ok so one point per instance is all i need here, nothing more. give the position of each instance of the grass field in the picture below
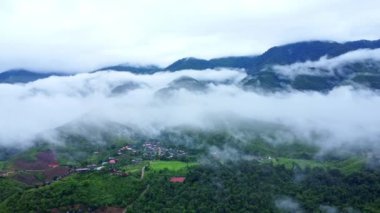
(135, 167)
(350, 165)
(170, 165)
(3, 165)
(347, 166)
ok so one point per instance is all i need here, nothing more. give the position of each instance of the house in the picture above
(112, 161)
(82, 169)
(119, 173)
(125, 148)
(53, 165)
(177, 179)
(99, 168)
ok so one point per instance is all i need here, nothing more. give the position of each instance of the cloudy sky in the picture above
(81, 35)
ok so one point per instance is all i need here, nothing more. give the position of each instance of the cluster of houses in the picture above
(94, 167)
(149, 150)
(5, 174)
(154, 149)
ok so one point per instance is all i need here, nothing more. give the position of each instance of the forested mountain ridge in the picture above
(257, 67)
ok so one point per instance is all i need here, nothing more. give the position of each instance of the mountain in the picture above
(308, 51)
(184, 82)
(149, 69)
(261, 69)
(189, 63)
(279, 55)
(364, 73)
(263, 74)
(125, 88)
(22, 76)
(201, 64)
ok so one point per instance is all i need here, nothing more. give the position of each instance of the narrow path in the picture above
(33, 170)
(143, 193)
(138, 198)
(8, 173)
(142, 172)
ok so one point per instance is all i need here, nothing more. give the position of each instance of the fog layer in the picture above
(344, 116)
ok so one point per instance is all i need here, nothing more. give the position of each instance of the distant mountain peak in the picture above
(23, 76)
(134, 68)
(280, 55)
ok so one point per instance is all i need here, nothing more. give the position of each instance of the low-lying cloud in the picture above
(343, 117)
(327, 66)
(287, 204)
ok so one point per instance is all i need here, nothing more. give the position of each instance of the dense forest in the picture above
(244, 186)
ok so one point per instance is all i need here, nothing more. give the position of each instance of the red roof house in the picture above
(177, 179)
(53, 165)
(112, 161)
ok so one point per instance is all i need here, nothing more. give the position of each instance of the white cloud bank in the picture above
(347, 117)
(328, 65)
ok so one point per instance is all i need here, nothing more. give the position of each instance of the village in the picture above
(116, 163)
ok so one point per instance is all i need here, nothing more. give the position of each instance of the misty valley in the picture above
(294, 129)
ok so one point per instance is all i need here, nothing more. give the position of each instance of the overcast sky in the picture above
(81, 35)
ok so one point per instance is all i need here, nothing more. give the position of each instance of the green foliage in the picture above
(135, 168)
(299, 150)
(3, 165)
(350, 165)
(78, 150)
(94, 190)
(232, 187)
(347, 166)
(303, 164)
(30, 154)
(9, 187)
(316, 83)
(370, 80)
(267, 80)
(250, 187)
